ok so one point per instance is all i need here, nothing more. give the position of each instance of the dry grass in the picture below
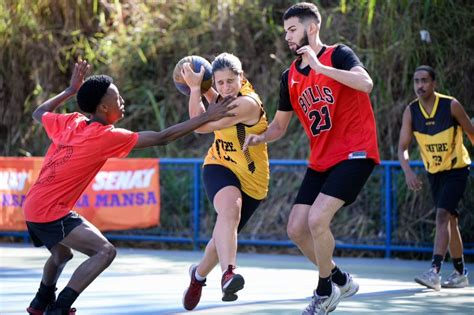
(138, 43)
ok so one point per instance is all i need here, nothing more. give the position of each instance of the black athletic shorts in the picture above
(448, 187)
(217, 177)
(51, 233)
(343, 181)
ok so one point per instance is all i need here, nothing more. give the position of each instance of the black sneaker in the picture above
(40, 304)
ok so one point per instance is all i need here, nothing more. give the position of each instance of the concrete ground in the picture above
(143, 282)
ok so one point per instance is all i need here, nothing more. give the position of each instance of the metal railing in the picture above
(386, 168)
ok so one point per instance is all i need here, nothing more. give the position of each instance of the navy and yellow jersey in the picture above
(251, 166)
(439, 136)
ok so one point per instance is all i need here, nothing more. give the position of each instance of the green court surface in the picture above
(149, 282)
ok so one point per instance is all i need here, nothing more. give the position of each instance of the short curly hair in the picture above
(91, 92)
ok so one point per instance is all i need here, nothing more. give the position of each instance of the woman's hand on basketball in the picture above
(222, 109)
(81, 69)
(193, 79)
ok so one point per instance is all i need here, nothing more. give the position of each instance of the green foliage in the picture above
(139, 42)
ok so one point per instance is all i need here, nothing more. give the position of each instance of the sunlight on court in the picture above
(152, 282)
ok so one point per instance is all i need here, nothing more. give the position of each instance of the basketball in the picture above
(196, 63)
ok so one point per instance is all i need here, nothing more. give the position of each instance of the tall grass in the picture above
(139, 42)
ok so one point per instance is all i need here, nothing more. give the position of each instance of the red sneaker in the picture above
(192, 295)
(231, 283)
(32, 311)
(60, 311)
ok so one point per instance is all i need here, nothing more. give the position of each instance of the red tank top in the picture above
(337, 119)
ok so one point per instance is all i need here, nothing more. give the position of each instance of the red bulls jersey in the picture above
(337, 119)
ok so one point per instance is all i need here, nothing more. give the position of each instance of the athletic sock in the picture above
(436, 262)
(43, 297)
(66, 298)
(46, 291)
(324, 287)
(198, 276)
(338, 277)
(458, 264)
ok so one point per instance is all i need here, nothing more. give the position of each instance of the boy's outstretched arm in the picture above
(214, 112)
(81, 70)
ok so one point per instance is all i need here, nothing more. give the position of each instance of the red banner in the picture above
(125, 194)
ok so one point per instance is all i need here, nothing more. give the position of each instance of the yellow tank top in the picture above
(251, 166)
(439, 136)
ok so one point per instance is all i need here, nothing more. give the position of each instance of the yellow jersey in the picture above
(439, 136)
(251, 166)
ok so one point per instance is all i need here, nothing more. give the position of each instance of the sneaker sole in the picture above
(332, 308)
(188, 308)
(228, 293)
(32, 311)
(428, 285)
(457, 286)
(350, 293)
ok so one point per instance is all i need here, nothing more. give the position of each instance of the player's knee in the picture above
(317, 224)
(231, 215)
(62, 257)
(295, 232)
(108, 253)
(442, 216)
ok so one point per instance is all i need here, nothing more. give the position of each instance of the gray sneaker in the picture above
(430, 279)
(456, 280)
(350, 288)
(322, 305)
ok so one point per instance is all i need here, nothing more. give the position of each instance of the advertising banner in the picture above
(125, 194)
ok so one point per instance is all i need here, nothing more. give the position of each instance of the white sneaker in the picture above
(350, 288)
(322, 305)
(430, 279)
(456, 280)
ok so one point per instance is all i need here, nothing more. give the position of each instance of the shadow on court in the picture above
(145, 282)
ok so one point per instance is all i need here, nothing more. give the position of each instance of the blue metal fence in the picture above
(387, 211)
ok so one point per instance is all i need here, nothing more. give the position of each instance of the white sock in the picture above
(198, 276)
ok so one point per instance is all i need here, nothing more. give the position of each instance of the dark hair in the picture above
(91, 92)
(227, 61)
(427, 69)
(303, 11)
